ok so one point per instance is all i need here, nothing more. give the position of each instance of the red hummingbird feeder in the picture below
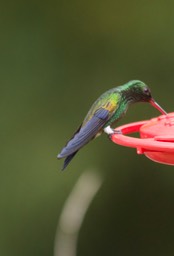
(156, 138)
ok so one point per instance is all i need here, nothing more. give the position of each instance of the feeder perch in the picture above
(156, 138)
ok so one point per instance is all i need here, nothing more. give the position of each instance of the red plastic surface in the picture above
(157, 138)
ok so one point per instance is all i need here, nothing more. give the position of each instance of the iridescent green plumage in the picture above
(106, 110)
(109, 101)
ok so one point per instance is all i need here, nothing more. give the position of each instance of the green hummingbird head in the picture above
(136, 91)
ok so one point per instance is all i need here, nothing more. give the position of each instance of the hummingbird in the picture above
(106, 111)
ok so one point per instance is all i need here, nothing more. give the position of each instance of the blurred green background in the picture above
(57, 57)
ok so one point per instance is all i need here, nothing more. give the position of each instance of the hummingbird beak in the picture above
(155, 105)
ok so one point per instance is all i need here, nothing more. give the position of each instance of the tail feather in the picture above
(68, 160)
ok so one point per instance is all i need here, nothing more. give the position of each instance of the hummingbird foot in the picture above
(111, 131)
(117, 132)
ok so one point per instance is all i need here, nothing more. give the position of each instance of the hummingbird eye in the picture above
(146, 91)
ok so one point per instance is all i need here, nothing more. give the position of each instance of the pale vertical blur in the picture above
(73, 213)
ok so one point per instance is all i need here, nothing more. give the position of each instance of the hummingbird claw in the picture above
(111, 131)
(117, 132)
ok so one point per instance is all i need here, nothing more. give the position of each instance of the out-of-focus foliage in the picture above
(56, 58)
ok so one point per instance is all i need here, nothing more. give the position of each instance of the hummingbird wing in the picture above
(99, 114)
(86, 133)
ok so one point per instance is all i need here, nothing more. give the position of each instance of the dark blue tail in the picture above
(68, 160)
